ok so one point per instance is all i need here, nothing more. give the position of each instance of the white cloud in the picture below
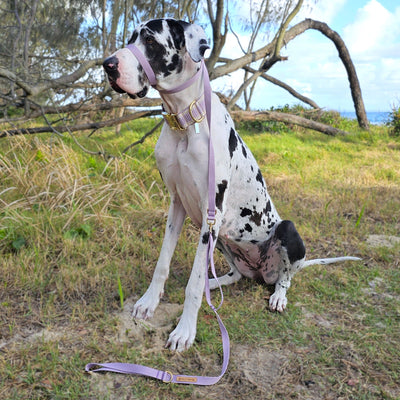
(373, 31)
(390, 72)
(324, 11)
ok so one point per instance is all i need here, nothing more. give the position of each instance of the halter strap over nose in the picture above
(144, 63)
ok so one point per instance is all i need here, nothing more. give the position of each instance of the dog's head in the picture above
(167, 44)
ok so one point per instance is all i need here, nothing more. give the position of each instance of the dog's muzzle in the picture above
(110, 66)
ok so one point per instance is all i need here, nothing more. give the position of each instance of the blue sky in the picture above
(371, 31)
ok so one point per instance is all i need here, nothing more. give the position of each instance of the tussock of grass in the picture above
(79, 237)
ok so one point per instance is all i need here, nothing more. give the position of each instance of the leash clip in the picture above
(210, 219)
(210, 223)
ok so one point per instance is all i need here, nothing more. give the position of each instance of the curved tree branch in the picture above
(218, 38)
(350, 69)
(292, 33)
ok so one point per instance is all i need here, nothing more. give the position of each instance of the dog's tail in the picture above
(324, 261)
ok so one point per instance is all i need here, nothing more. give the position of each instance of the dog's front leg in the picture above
(146, 305)
(184, 334)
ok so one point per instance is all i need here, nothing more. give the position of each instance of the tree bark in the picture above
(286, 118)
(218, 37)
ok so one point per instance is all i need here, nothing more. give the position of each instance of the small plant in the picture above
(360, 216)
(120, 292)
(84, 231)
(394, 122)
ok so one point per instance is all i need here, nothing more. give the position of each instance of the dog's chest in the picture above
(182, 161)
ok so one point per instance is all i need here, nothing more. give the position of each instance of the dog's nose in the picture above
(110, 64)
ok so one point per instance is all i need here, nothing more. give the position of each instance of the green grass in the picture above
(80, 235)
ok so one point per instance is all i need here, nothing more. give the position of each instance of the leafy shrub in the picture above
(394, 122)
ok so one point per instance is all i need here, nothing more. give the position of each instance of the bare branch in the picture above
(80, 127)
(144, 137)
(51, 84)
(350, 69)
(86, 106)
(285, 86)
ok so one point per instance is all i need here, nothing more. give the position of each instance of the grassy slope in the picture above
(73, 226)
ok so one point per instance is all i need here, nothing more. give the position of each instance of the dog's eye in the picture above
(149, 40)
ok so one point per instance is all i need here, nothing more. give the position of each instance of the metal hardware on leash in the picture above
(171, 377)
(211, 218)
(210, 223)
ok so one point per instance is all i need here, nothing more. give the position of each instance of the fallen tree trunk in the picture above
(79, 127)
(286, 118)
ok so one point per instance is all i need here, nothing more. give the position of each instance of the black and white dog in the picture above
(255, 241)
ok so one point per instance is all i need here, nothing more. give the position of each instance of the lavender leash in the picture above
(167, 376)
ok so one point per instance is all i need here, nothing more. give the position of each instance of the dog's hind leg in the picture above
(292, 253)
(232, 276)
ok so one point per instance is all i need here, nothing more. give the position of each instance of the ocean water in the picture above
(374, 117)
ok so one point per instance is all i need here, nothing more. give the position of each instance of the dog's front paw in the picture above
(278, 301)
(182, 337)
(145, 307)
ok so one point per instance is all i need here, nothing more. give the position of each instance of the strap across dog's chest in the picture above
(167, 376)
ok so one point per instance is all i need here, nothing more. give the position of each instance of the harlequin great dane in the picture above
(255, 241)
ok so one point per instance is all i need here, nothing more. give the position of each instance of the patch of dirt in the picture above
(383, 241)
(31, 334)
(135, 330)
(316, 319)
(377, 288)
(261, 367)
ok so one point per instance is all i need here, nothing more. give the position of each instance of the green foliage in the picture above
(328, 117)
(83, 231)
(394, 122)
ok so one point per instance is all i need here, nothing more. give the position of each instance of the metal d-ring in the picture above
(170, 378)
(192, 104)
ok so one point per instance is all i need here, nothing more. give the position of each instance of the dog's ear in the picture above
(195, 40)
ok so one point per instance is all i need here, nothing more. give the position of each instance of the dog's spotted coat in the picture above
(255, 241)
